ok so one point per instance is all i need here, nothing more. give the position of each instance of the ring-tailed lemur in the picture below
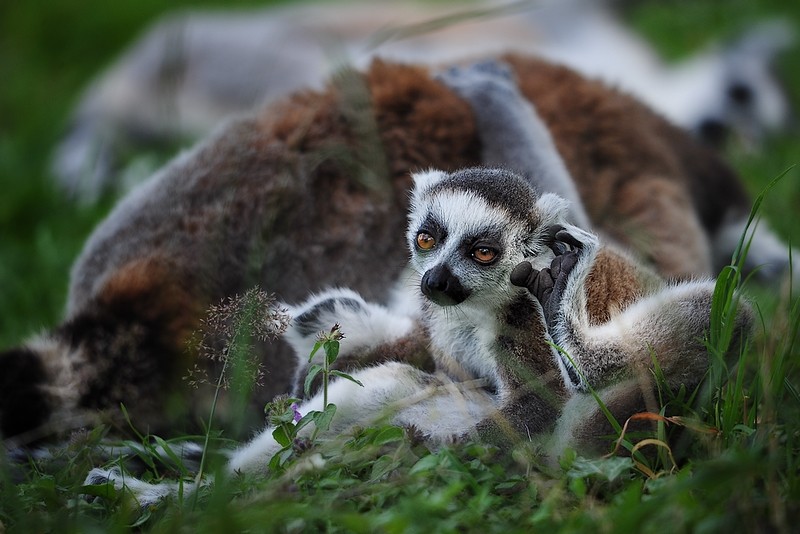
(500, 275)
(229, 214)
(469, 234)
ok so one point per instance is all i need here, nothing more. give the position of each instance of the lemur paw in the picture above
(481, 83)
(363, 323)
(548, 285)
(321, 312)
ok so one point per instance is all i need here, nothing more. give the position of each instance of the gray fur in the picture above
(513, 134)
(495, 186)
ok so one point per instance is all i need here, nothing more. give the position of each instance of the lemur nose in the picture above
(441, 286)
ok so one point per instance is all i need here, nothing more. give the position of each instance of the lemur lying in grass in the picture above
(313, 192)
(499, 278)
(472, 234)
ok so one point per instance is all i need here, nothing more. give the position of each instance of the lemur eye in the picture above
(484, 255)
(425, 241)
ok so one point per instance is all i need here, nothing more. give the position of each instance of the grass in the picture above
(743, 477)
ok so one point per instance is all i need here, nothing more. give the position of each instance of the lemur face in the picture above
(467, 231)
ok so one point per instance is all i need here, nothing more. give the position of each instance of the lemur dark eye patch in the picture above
(488, 240)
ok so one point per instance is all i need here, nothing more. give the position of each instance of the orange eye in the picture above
(484, 255)
(425, 241)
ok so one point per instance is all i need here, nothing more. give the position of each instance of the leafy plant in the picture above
(288, 422)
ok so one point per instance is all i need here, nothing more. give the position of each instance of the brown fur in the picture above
(642, 181)
(614, 283)
(170, 305)
(312, 192)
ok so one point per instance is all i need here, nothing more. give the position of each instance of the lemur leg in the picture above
(393, 392)
(584, 427)
(512, 133)
(669, 324)
(383, 385)
(373, 334)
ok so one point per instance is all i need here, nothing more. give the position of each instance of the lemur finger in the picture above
(555, 266)
(559, 239)
(566, 237)
(542, 285)
(551, 234)
(568, 262)
(538, 283)
(523, 274)
(563, 264)
(559, 248)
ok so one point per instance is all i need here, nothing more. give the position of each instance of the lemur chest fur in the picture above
(466, 347)
(506, 345)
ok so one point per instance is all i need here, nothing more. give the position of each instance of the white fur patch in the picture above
(363, 324)
(393, 392)
(146, 494)
(424, 180)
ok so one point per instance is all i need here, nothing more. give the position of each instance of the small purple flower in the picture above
(297, 415)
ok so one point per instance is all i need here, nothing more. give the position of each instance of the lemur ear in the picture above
(548, 211)
(426, 179)
(551, 209)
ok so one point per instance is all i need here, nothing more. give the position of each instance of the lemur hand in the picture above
(548, 284)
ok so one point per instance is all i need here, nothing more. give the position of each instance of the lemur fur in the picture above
(497, 374)
(313, 192)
